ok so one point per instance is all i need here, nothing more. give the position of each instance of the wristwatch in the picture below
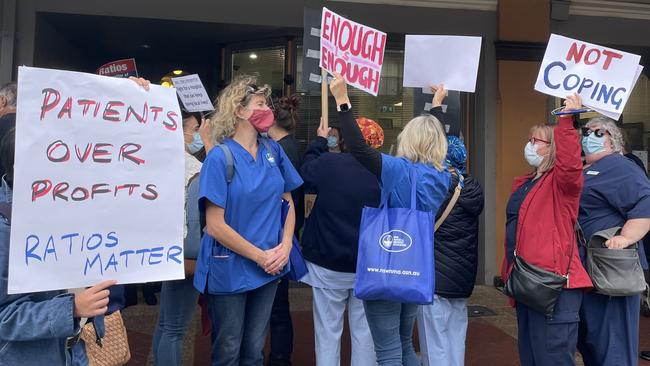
(344, 107)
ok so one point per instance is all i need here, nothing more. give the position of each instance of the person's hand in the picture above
(339, 89)
(140, 81)
(205, 130)
(572, 102)
(263, 257)
(279, 259)
(439, 94)
(92, 301)
(618, 242)
(322, 131)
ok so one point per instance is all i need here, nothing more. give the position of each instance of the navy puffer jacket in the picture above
(456, 241)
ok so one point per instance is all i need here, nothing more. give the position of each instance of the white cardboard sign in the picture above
(353, 50)
(449, 60)
(98, 182)
(192, 93)
(602, 76)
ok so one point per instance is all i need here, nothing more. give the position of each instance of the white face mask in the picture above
(531, 155)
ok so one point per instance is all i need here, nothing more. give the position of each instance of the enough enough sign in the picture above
(98, 182)
(353, 50)
(602, 76)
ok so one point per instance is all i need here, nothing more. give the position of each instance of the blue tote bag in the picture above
(296, 261)
(395, 260)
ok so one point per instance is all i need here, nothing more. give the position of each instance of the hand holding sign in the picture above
(339, 89)
(92, 301)
(439, 94)
(572, 103)
(140, 81)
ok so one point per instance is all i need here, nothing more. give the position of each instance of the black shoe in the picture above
(645, 355)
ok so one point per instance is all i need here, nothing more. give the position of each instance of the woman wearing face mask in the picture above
(334, 140)
(178, 298)
(540, 219)
(240, 260)
(616, 193)
(286, 117)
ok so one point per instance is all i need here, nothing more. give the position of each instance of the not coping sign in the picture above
(98, 182)
(353, 50)
(602, 76)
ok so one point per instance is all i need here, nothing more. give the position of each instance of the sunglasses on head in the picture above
(254, 89)
(586, 131)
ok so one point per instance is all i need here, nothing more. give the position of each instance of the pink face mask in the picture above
(262, 119)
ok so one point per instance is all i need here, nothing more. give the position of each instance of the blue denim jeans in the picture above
(178, 300)
(391, 325)
(239, 323)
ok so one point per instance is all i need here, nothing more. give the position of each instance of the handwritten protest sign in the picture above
(98, 182)
(192, 93)
(353, 50)
(602, 76)
(120, 68)
(449, 60)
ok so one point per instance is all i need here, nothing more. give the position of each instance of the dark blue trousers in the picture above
(280, 325)
(609, 330)
(550, 341)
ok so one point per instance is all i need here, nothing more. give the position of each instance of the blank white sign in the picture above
(449, 60)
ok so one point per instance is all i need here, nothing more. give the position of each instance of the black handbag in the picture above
(535, 287)
(614, 272)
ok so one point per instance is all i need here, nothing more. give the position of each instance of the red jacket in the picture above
(547, 217)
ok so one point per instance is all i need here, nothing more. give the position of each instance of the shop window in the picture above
(265, 63)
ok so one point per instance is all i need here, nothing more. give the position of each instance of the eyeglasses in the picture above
(586, 131)
(535, 140)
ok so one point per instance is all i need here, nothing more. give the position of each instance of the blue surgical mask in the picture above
(196, 144)
(332, 141)
(593, 144)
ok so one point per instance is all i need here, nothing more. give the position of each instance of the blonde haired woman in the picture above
(422, 146)
(540, 218)
(245, 250)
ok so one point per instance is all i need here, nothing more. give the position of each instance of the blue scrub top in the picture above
(431, 189)
(252, 203)
(615, 191)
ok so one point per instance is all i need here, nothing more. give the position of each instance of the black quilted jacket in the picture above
(456, 241)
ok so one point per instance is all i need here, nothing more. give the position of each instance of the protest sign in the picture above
(449, 60)
(98, 182)
(192, 93)
(353, 50)
(311, 73)
(602, 76)
(120, 68)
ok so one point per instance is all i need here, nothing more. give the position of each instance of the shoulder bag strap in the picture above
(450, 205)
(230, 165)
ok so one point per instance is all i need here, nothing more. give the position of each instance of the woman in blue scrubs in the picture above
(422, 147)
(616, 193)
(246, 250)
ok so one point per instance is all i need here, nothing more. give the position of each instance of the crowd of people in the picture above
(243, 163)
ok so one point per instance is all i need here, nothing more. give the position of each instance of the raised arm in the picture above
(354, 142)
(309, 169)
(568, 163)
